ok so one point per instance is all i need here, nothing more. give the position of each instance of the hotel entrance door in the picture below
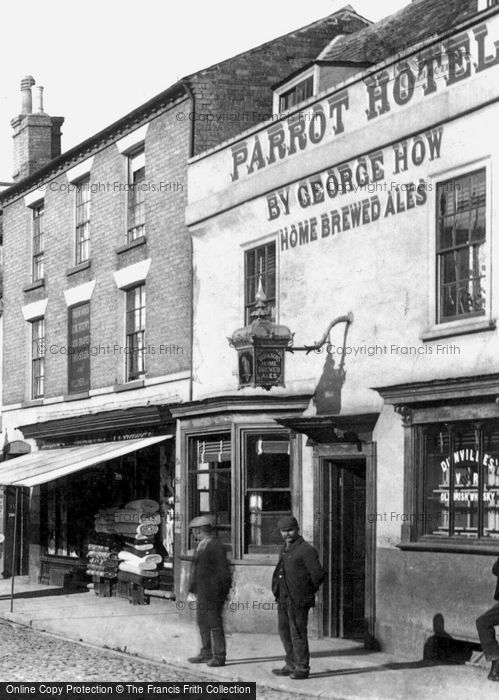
(343, 520)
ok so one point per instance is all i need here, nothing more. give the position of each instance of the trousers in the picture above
(211, 630)
(485, 625)
(292, 622)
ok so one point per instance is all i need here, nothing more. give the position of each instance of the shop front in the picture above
(93, 491)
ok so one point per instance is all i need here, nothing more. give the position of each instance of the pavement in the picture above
(160, 632)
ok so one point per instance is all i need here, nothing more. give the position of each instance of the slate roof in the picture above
(410, 25)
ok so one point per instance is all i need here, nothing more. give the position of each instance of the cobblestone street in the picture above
(26, 655)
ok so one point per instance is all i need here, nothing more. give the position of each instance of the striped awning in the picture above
(47, 465)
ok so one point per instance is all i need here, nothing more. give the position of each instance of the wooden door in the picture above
(344, 547)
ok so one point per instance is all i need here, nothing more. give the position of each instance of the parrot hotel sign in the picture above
(407, 82)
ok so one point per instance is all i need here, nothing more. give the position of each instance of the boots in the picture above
(199, 659)
(494, 671)
(218, 647)
(205, 654)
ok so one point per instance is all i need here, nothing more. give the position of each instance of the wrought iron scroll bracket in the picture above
(316, 347)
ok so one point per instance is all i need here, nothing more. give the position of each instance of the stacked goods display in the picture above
(103, 562)
(137, 560)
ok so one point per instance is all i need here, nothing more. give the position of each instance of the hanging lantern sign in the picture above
(261, 348)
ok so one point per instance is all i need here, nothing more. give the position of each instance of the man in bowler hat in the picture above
(210, 583)
(295, 582)
(485, 625)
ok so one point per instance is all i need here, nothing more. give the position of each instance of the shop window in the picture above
(210, 482)
(461, 237)
(68, 506)
(298, 93)
(267, 494)
(260, 265)
(37, 269)
(136, 196)
(460, 480)
(135, 332)
(79, 348)
(38, 358)
(82, 221)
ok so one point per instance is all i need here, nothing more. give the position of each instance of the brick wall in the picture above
(238, 86)
(168, 294)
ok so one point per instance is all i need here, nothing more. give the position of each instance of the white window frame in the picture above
(141, 374)
(85, 182)
(465, 324)
(40, 356)
(34, 208)
(139, 156)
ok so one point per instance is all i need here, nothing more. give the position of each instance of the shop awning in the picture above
(46, 465)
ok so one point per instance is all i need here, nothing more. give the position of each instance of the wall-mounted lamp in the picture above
(261, 346)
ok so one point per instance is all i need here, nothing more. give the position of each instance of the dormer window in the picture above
(296, 89)
(299, 93)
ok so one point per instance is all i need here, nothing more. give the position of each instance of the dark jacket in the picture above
(303, 572)
(495, 571)
(211, 577)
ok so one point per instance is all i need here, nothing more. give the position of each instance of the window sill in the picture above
(136, 384)
(239, 562)
(451, 545)
(76, 396)
(141, 240)
(446, 330)
(32, 402)
(35, 285)
(78, 268)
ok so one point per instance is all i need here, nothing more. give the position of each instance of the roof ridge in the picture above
(299, 30)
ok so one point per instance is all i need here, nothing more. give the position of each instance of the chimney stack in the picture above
(37, 136)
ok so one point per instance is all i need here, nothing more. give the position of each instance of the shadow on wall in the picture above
(327, 396)
(441, 647)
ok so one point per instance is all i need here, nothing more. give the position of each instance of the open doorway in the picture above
(344, 547)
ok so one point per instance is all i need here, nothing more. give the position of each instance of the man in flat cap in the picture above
(295, 582)
(210, 583)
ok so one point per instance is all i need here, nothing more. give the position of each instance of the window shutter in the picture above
(214, 451)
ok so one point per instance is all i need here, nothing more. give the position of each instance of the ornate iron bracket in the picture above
(348, 319)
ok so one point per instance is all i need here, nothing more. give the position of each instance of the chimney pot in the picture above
(39, 99)
(26, 105)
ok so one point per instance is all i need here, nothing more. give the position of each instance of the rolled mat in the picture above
(97, 547)
(144, 505)
(103, 564)
(131, 569)
(139, 552)
(140, 545)
(131, 529)
(95, 554)
(127, 515)
(102, 574)
(149, 561)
